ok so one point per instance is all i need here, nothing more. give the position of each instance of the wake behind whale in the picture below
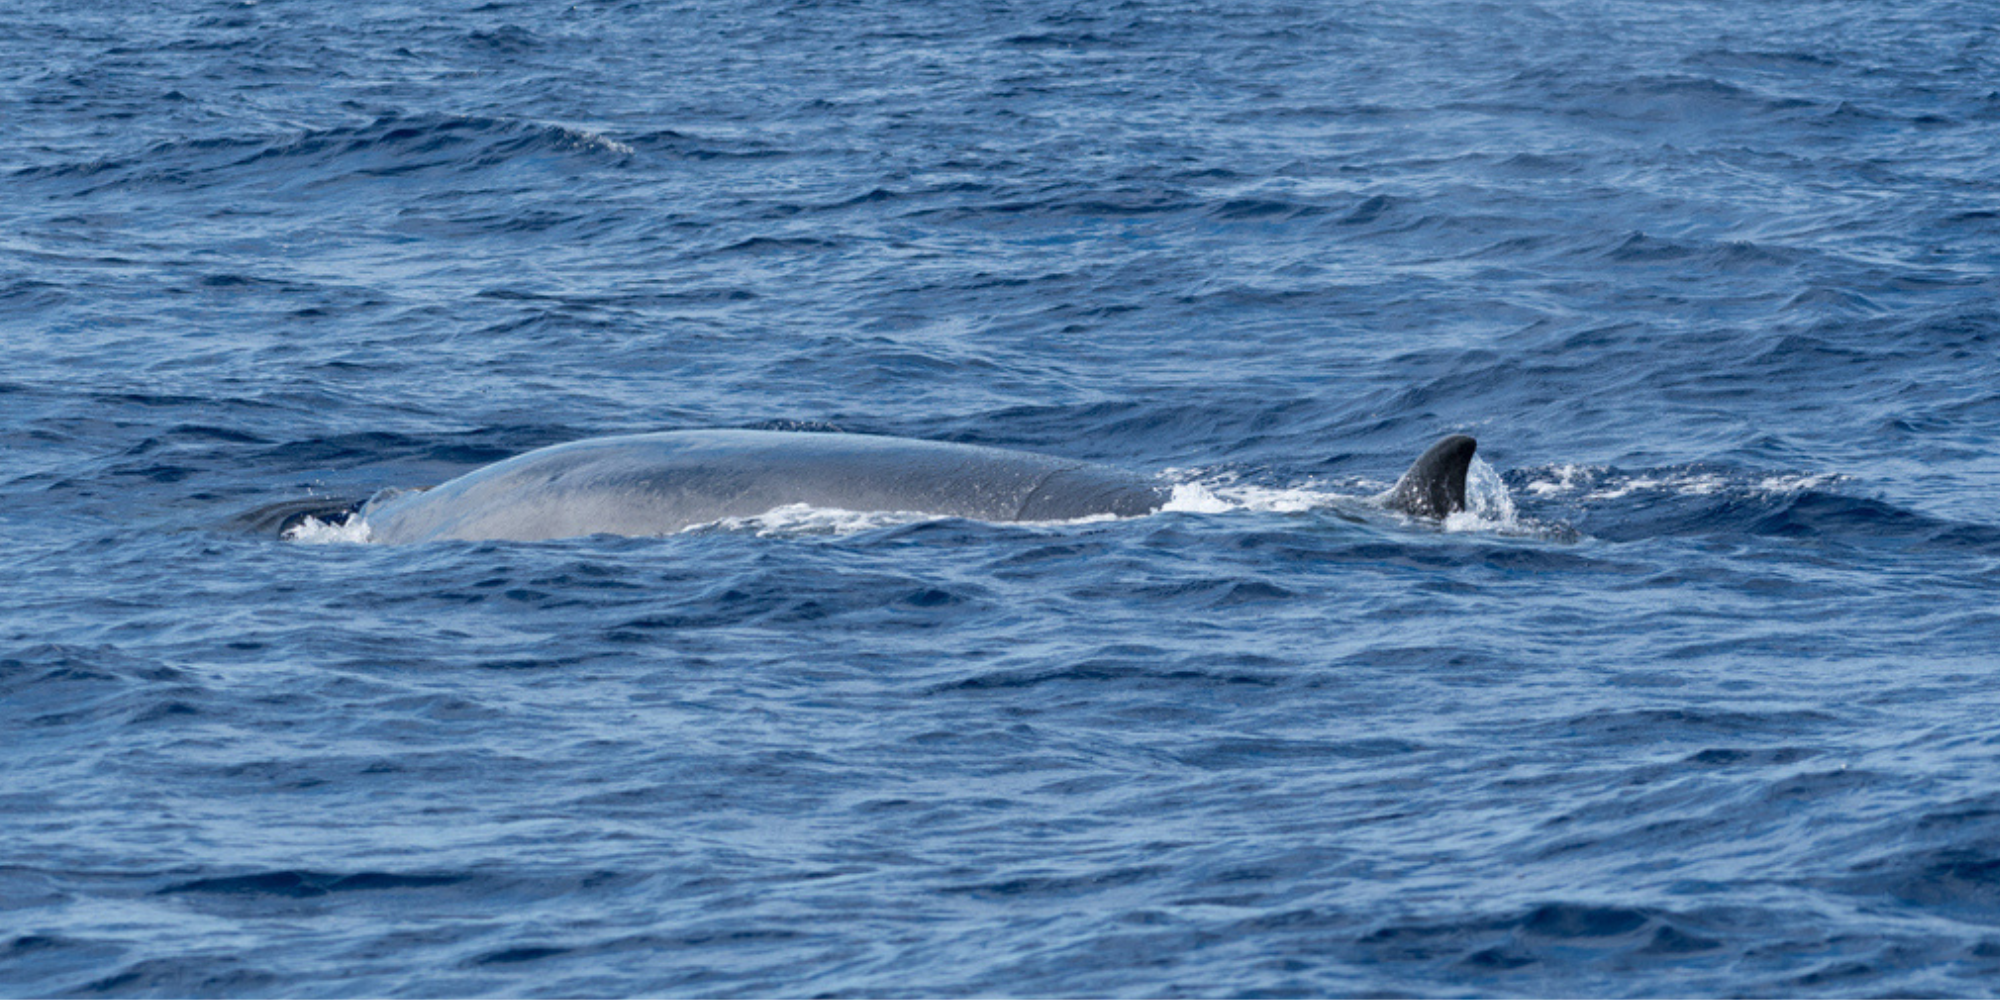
(661, 483)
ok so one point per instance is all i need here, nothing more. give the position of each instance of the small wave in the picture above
(415, 143)
(1961, 880)
(1722, 502)
(183, 976)
(300, 884)
(1721, 256)
(1600, 483)
(1252, 209)
(388, 146)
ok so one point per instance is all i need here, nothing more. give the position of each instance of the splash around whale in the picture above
(661, 483)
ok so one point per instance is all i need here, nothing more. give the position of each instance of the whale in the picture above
(664, 482)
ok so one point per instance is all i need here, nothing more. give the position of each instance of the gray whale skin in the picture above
(657, 484)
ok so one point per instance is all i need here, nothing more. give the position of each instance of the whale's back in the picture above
(655, 484)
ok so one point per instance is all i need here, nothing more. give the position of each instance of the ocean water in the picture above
(1703, 699)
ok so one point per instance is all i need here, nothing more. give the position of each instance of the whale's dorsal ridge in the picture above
(1434, 486)
(667, 481)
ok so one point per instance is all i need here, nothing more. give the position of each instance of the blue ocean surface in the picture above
(1701, 699)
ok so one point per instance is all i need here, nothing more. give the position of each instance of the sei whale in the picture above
(657, 484)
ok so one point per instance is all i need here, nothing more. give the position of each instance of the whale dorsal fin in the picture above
(1435, 484)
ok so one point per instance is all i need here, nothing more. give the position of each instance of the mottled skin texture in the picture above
(1435, 484)
(655, 484)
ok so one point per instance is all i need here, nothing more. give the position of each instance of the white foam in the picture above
(1563, 478)
(582, 138)
(1798, 482)
(1222, 496)
(313, 531)
(1488, 505)
(1691, 484)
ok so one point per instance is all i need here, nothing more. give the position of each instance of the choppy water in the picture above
(1714, 709)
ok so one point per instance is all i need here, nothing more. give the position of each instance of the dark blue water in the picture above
(1713, 709)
